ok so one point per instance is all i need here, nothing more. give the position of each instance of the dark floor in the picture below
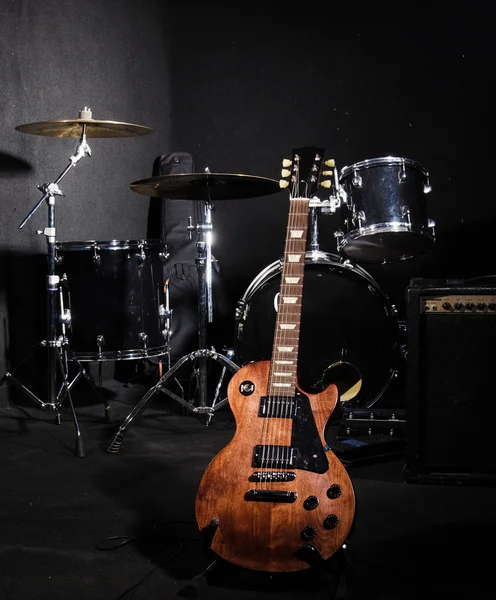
(121, 526)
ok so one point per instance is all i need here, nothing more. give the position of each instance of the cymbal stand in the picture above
(57, 346)
(200, 357)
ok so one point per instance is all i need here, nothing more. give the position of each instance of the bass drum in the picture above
(349, 332)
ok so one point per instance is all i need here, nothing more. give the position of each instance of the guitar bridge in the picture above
(273, 476)
(271, 496)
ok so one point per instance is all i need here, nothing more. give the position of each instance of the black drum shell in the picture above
(114, 289)
(390, 192)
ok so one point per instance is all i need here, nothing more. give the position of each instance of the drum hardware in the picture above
(386, 218)
(326, 207)
(165, 315)
(58, 350)
(204, 188)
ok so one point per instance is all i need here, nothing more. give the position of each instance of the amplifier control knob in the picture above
(458, 305)
(469, 305)
(447, 306)
(491, 306)
(481, 306)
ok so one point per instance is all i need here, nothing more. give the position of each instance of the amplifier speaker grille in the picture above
(450, 392)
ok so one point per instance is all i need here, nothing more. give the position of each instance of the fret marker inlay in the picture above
(294, 258)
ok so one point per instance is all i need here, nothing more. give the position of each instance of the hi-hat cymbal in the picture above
(92, 128)
(206, 186)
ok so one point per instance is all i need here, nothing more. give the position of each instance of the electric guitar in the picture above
(276, 498)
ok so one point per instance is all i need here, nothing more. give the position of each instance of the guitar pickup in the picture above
(271, 496)
(275, 457)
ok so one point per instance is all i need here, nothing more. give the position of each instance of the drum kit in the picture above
(107, 300)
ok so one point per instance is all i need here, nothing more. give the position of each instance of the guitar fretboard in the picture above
(283, 368)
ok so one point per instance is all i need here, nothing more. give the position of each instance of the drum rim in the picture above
(131, 354)
(382, 161)
(110, 244)
(326, 258)
(312, 257)
(392, 226)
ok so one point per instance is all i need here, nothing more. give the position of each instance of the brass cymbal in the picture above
(93, 128)
(206, 186)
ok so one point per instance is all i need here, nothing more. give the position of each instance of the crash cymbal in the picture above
(206, 186)
(92, 128)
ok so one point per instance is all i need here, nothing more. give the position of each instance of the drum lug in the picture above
(359, 218)
(96, 257)
(427, 184)
(100, 342)
(402, 173)
(405, 212)
(144, 341)
(357, 180)
(240, 310)
(141, 256)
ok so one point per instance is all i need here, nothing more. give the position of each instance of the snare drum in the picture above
(115, 292)
(385, 210)
(348, 327)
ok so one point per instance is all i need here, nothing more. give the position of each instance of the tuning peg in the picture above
(285, 172)
(330, 162)
(283, 183)
(327, 183)
(327, 173)
(286, 162)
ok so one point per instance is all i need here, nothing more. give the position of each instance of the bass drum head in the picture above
(349, 333)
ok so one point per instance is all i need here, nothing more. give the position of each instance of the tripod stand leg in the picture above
(116, 443)
(82, 372)
(10, 376)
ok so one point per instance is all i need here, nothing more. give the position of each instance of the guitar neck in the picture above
(283, 368)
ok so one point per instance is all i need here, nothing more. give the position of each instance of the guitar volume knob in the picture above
(334, 491)
(331, 522)
(311, 503)
(308, 533)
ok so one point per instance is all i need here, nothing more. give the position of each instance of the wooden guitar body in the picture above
(278, 498)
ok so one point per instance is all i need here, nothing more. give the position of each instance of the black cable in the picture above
(117, 541)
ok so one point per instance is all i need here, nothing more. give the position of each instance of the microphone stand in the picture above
(57, 346)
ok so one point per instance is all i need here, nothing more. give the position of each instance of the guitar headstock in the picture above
(302, 174)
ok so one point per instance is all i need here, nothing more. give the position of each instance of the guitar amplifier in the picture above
(450, 395)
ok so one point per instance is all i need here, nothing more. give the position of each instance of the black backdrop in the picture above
(239, 86)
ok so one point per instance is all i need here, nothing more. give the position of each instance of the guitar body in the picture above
(274, 524)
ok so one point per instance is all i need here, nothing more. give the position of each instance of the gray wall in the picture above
(57, 57)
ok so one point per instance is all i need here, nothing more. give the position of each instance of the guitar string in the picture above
(268, 429)
(298, 220)
(282, 405)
